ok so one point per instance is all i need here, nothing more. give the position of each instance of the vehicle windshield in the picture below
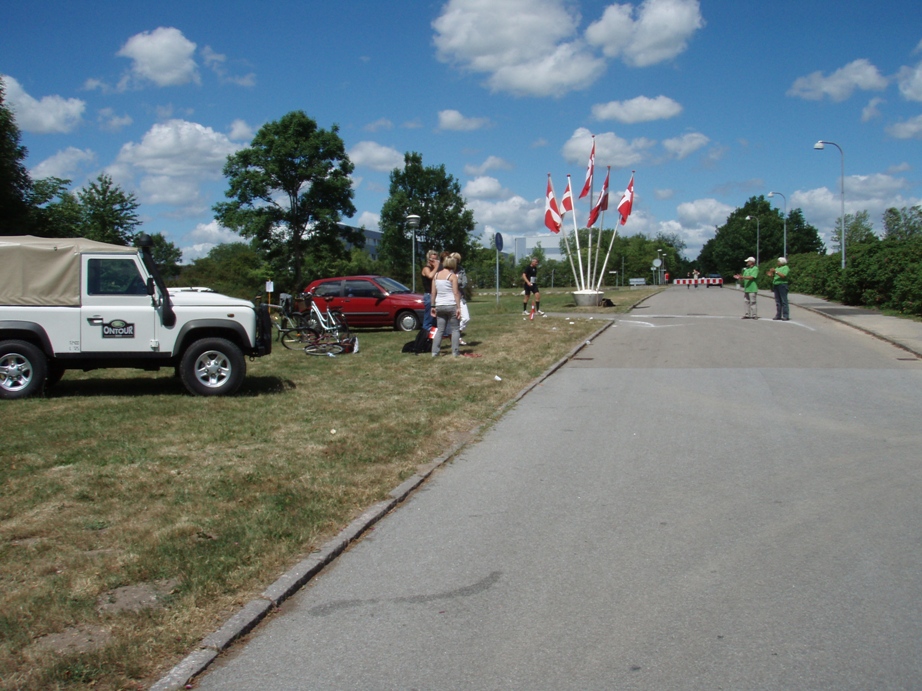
(392, 286)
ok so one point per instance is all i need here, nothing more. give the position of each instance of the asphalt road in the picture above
(694, 502)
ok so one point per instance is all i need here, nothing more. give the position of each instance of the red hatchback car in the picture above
(371, 301)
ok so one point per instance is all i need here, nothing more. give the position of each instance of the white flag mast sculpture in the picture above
(589, 279)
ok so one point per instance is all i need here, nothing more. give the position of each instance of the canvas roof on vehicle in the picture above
(45, 271)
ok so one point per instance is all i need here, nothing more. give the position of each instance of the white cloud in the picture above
(454, 121)
(687, 144)
(907, 129)
(707, 212)
(215, 61)
(378, 125)
(525, 46)
(240, 131)
(910, 81)
(640, 109)
(491, 163)
(485, 187)
(50, 115)
(204, 237)
(375, 156)
(368, 219)
(660, 32)
(64, 164)
(178, 148)
(841, 84)
(514, 215)
(610, 150)
(871, 110)
(110, 122)
(174, 159)
(162, 56)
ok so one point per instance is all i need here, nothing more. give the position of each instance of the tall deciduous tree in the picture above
(15, 183)
(109, 213)
(290, 188)
(445, 221)
(56, 211)
(903, 224)
(859, 230)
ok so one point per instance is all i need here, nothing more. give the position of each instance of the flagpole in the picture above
(614, 232)
(579, 257)
(603, 204)
(566, 242)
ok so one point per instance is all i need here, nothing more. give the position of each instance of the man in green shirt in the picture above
(780, 287)
(750, 289)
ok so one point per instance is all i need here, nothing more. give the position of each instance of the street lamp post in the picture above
(756, 219)
(659, 273)
(413, 225)
(820, 146)
(770, 195)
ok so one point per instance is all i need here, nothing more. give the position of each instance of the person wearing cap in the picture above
(780, 288)
(748, 277)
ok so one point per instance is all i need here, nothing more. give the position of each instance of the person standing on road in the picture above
(780, 287)
(446, 306)
(530, 279)
(432, 265)
(750, 288)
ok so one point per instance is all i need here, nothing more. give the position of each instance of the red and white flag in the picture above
(566, 204)
(602, 204)
(627, 201)
(589, 170)
(551, 212)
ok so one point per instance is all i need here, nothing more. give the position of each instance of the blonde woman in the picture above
(446, 306)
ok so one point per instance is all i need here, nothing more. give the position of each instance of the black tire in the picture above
(407, 321)
(23, 369)
(212, 367)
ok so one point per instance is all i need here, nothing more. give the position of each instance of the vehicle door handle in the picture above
(95, 321)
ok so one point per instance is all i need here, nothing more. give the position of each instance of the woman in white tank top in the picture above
(446, 306)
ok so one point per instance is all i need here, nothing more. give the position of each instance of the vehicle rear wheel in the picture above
(212, 367)
(23, 369)
(407, 321)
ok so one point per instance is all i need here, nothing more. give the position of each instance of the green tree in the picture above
(109, 213)
(445, 221)
(761, 235)
(56, 211)
(858, 231)
(166, 256)
(233, 268)
(903, 224)
(15, 183)
(290, 188)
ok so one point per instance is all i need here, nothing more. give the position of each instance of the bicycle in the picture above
(316, 331)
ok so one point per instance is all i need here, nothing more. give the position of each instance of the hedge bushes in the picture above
(886, 274)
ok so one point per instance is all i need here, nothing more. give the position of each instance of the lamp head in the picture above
(819, 145)
(771, 194)
(413, 221)
(749, 218)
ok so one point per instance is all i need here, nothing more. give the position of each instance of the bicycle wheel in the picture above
(323, 347)
(296, 336)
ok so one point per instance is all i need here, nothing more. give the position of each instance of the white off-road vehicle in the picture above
(72, 303)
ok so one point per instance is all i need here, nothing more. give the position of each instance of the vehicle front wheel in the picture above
(23, 369)
(212, 367)
(407, 321)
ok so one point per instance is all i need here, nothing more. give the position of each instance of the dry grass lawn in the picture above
(134, 519)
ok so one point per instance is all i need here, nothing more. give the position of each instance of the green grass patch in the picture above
(119, 478)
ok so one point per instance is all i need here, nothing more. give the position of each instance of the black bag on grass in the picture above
(421, 344)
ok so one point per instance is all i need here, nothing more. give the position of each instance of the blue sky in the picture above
(710, 102)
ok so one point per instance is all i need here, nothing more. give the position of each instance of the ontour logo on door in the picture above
(118, 328)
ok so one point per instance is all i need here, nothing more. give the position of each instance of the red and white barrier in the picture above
(699, 281)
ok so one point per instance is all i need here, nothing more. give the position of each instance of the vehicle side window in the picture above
(360, 289)
(325, 289)
(114, 277)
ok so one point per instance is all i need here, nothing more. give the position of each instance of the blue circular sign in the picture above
(498, 239)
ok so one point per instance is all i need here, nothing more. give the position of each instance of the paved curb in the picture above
(847, 322)
(252, 613)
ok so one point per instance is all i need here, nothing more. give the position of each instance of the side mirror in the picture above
(150, 286)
